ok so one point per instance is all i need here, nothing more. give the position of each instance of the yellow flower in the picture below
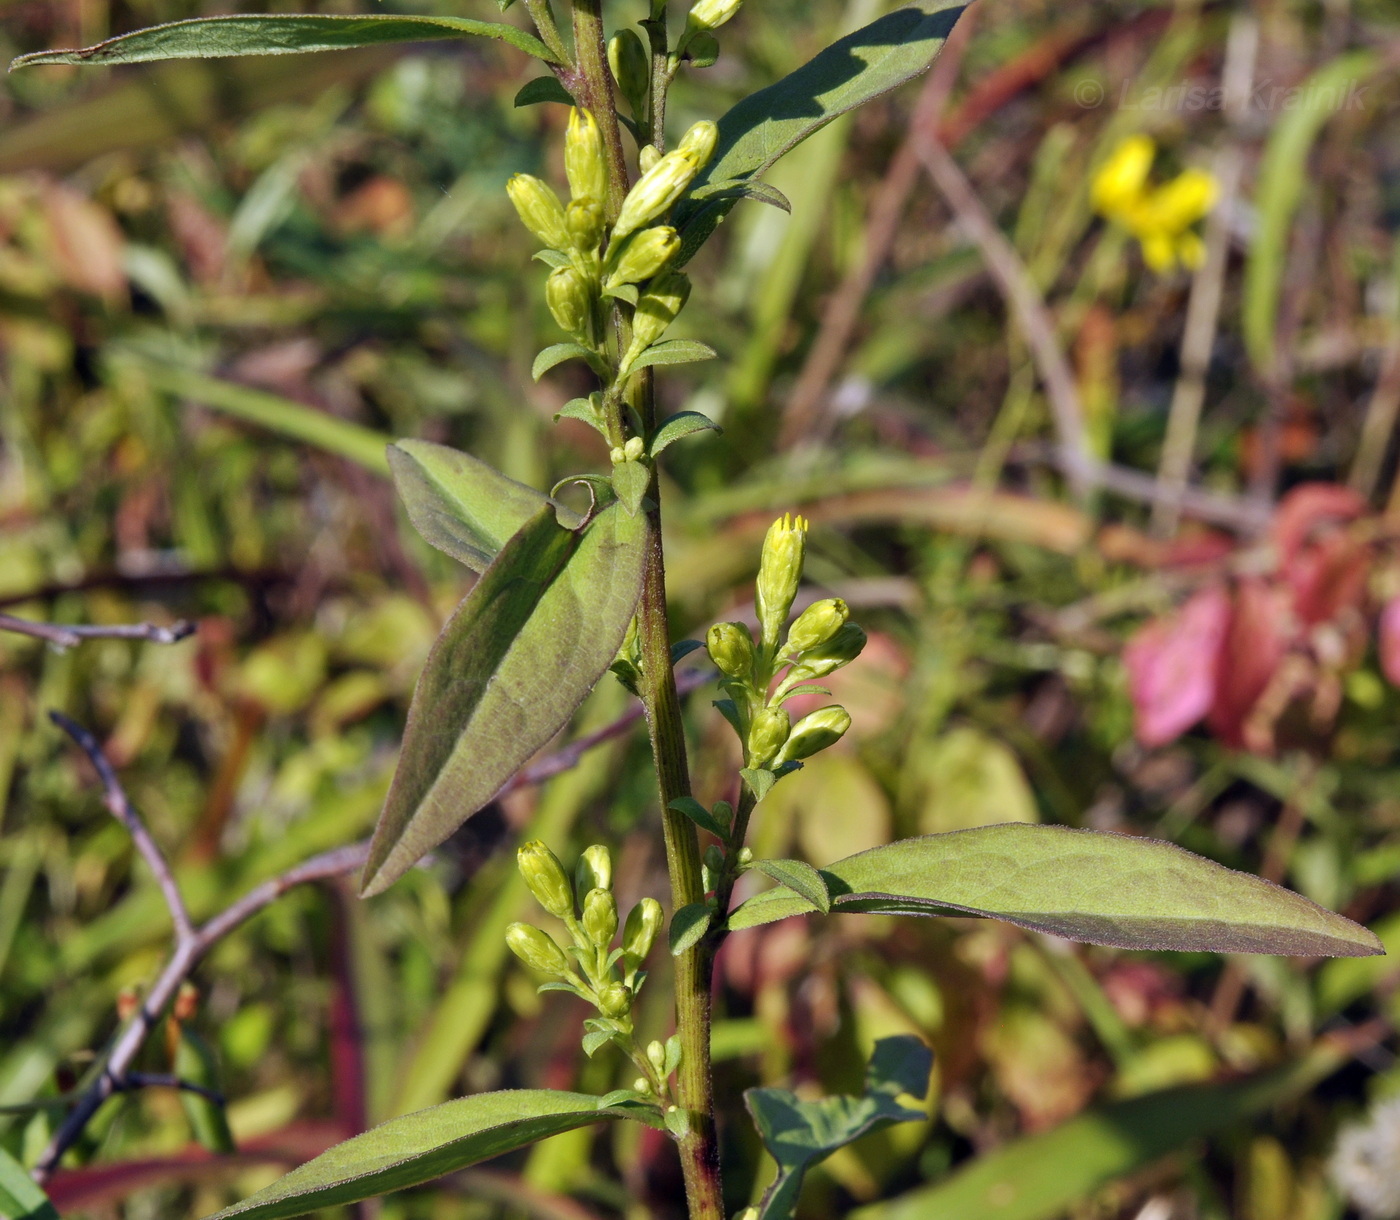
(1159, 218)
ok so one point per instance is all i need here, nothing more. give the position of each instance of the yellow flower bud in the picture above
(567, 294)
(843, 648)
(656, 310)
(648, 157)
(641, 256)
(584, 218)
(584, 159)
(631, 68)
(1180, 203)
(614, 1001)
(815, 731)
(656, 1056)
(730, 646)
(539, 209)
(817, 624)
(700, 142)
(711, 14)
(767, 734)
(643, 923)
(1118, 185)
(779, 573)
(634, 449)
(546, 879)
(594, 870)
(600, 917)
(536, 950)
(655, 191)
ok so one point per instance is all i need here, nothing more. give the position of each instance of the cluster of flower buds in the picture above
(591, 967)
(630, 260)
(821, 640)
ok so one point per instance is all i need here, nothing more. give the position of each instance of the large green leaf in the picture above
(462, 506)
(421, 1146)
(279, 34)
(20, 1198)
(773, 121)
(1107, 889)
(540, 627)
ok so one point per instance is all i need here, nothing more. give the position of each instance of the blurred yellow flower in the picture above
(1160, 218)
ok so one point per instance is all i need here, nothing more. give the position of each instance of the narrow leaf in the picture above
(552, 258)
(421, 1146)
(282, 34)
(688, 925)
(516, 659)
(673, 351)
(682, 424)
(767, 124)
(559, 352)
(800, 877)
(749, 189)
(543, 89)
(1105, 889)
(462, 506)
(683, 648)
(20, 1198)
(702, 817)
(581, 409)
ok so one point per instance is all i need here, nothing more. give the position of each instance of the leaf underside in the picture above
(462, 506)
(1105, 889)
(511, 666)
(852, 71)
(419, 1147)
(283, 34)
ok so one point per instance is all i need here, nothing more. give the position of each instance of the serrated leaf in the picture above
(683, 648)
(800, 1134)
(760, 781)
(543, 89)
(1092, 886)
(20, 1197)
(462, 506)
(280, 34)
(682, 424)
(419, 1147)
(672, 351)
(557, 353)
(800, 877)
(688, 925)
(630, 481)
(552, 258)
(513, 663)
(701, 816)
(853, 70)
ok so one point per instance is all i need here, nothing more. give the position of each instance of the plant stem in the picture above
(596, 94)
(543, 16)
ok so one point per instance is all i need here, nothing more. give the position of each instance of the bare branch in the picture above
(63, 636)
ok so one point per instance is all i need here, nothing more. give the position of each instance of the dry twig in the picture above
(62, 636)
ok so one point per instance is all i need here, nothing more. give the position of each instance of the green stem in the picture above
(543, 16)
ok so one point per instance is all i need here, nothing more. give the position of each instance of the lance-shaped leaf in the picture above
(1106, 889)
(20, 1198)
(773, 121)
(280, 34)
(421, 1146)
(462, 506)
(515, 660)
(800, 1134)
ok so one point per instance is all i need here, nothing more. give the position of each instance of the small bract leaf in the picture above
(282, 34)
(421, 1146)
(751, 189)
(516, 659)
(683, 648)
(688, 925)
(552, 258)
(1106, 889)
(760, 781)
(682, 424)
(800, 877)
(701, 816)
(630, 481)
(543, 89)
(673, 351)
(559, 352)
(462, 506)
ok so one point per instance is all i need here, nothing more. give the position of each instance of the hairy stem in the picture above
(542, 14)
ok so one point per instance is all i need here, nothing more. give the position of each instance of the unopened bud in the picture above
(643, 924)
(713, 859)
(744, 856)
(536, 950)
(616, 455)
(779, 573)
(600, 917)
(584, 160)
(570, 301)
(539, 209)
(634, 450)
(641, 256)
(656, 1056)
(814, 732)
(767, 734)
(656, 310)
(843, 648)
(655, 191)
(546, 879)
(641, 1085)
(731, 648)
(631, 68)
(711, 14)
(585, 220)
(594, 870)
(817, 624)
(648, 157)
(615, 1001)
(700, 142)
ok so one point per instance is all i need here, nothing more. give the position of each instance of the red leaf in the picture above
(1172, 669)
(1388, 640)
(1260, 631)
(1307, 507)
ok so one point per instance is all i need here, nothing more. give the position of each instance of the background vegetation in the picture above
(223, 284)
